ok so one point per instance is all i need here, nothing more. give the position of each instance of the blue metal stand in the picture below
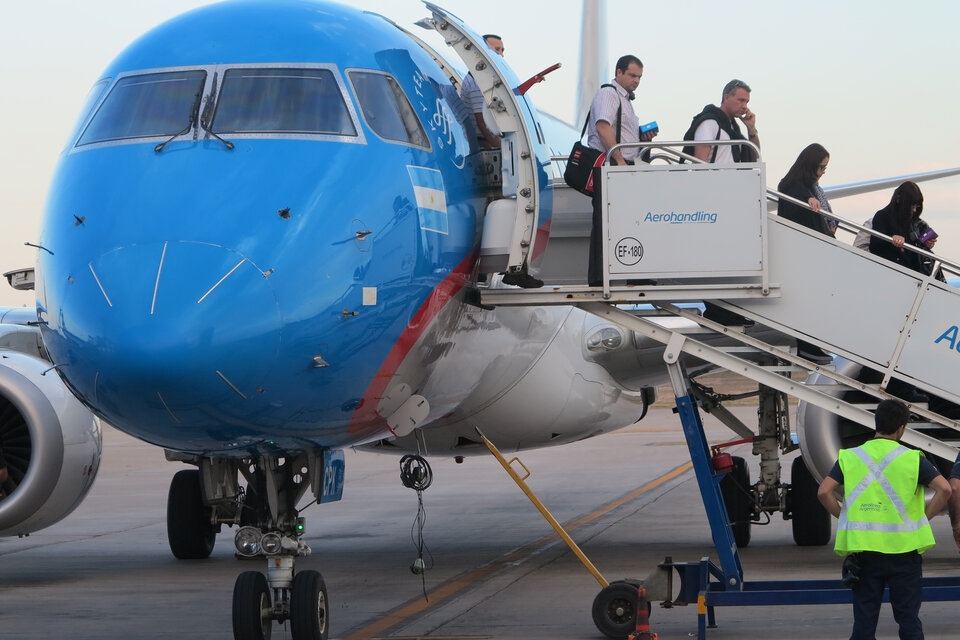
(709, 480)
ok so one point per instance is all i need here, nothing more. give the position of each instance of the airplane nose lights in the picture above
(271, 544)
(248, 542)
(606, 339)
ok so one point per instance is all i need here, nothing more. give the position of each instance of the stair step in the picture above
(871, 406)
(793, 367)
(749, 349)
(830, 387)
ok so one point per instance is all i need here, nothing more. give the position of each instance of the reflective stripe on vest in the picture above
(889, 537)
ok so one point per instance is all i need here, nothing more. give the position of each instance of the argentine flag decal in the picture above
(431, 198)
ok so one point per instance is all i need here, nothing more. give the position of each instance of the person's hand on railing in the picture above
(814, 204)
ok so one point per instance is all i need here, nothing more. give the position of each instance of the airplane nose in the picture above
(178, 325)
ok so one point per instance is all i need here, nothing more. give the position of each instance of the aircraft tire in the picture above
(189, 532)
(735, 487)
(251, 607)
(615, 610)
(309, 614)
(811, 522)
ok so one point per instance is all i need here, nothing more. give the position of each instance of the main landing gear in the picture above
(748, 502)
(203, 499)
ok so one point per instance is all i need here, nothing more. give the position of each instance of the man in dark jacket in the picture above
(719, 123)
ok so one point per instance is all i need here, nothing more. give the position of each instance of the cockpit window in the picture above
(146, 106)
(96, 92)
(386, 108)
(282, 100)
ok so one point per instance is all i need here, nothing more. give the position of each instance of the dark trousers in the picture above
(902, 573)
(595, 257)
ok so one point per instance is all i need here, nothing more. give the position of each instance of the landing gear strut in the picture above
(273, 530)
(203, 499)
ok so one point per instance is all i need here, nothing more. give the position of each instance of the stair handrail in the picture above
(773, 195)
(939, 261)
(669, 146)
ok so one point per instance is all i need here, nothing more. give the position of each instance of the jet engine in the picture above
(822, 434)
(51, 442)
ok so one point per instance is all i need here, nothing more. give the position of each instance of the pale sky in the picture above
(875, 82)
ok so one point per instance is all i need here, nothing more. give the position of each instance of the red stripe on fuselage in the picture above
(543, 234)
(365, 415)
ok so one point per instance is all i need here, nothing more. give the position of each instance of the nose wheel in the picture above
(252, 611)
(308, 606)
(304, 603)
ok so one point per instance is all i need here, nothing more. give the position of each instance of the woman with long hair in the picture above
(901, 221)
(803, 183)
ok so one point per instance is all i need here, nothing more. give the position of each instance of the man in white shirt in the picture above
(612, 104)
(613, 121)
(720, 123)
(472, 96)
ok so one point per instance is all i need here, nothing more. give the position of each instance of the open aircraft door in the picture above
(516, 227)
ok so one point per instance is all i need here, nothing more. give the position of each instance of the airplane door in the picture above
(525, 153)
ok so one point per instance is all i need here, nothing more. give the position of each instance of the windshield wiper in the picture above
(204, 126)
(193, 118)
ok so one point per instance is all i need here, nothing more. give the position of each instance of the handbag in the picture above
(580, 165)
(583, 159)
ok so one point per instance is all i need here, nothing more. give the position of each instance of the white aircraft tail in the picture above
(594, 70)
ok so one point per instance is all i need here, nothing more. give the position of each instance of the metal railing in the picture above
(673, 155)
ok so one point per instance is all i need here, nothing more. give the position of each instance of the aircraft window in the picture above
(386, 108)
(146, 106)
(282, 101)
(96, 92)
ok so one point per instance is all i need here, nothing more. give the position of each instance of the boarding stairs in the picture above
(769, 270)
(675, 234)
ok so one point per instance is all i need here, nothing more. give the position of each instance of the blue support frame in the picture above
(695, 580)
(731, 571)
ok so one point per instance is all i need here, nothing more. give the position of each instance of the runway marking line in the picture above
(454, 586)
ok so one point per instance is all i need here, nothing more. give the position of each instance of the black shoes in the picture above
(813, 353)
(724, 317)
(522, 279)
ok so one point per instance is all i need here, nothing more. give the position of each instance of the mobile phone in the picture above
(650, 127)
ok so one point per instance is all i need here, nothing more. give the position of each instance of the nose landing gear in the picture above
(274, 531)
(303, 602)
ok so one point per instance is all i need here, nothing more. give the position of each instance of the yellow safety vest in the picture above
(883, 506)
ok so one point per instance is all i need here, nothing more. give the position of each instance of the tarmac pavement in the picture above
(498, 571)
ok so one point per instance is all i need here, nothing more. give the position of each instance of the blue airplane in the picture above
(262, 244)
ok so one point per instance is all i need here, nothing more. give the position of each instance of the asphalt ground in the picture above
(629, 499)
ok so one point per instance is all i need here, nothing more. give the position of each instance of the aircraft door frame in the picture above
(520, 168)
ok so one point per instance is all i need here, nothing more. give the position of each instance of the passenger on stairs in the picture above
(612, 121)
(720, 123)
(901, 221)
(802, 183)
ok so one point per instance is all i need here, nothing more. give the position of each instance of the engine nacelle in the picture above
(51, 442)
(575, 399)
(821, 433)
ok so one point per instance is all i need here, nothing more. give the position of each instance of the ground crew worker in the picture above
(884, 524)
